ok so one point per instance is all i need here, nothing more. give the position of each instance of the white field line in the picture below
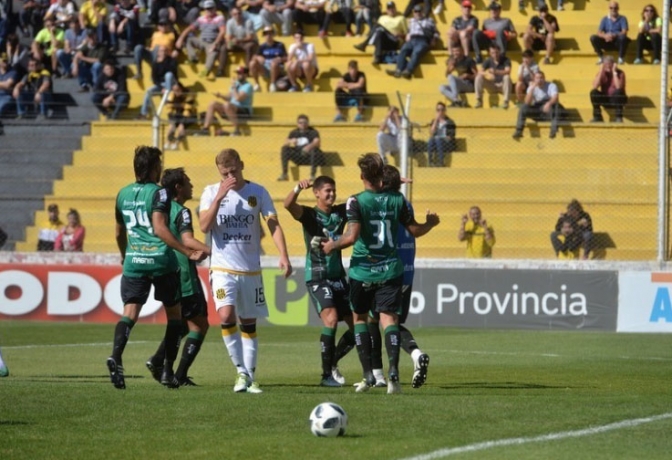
(442, 453)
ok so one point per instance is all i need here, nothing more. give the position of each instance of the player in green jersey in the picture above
(194, 304)
(376, 271)
(326, 280)
(146, 246)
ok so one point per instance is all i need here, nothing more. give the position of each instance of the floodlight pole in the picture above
(663, 164)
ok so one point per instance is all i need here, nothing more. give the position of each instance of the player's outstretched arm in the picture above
(418, 230)
(290, 204)
(192, 243)
(279, 240)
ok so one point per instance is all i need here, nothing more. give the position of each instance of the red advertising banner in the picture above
(73, 293)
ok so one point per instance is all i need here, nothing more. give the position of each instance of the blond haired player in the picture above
(231, 210)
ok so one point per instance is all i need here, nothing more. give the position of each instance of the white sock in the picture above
(250, 353)
(415, 354)
(231, 337)
(378, 374)
(2, 363)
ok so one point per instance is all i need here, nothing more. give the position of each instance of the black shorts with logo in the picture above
(330, 294)
(194, 305)
(166, 289)
(383, 297)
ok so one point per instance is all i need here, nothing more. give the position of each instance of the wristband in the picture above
(297, 189)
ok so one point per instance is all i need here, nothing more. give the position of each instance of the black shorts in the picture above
(166, 289)
(406, 291)
(194, 305)
(330, 294)
(383, 297)
(539, 44)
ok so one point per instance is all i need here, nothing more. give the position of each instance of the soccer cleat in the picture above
(420, 372)
(362, 386)
(168, 379)
(330, 381)
(336, 374)
(241, 384)
(4, 371)
(155, 370)
(186, 382)
(254, 388)
(393, 386)
(116, 374)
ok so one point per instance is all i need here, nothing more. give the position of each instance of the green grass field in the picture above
(483, 386)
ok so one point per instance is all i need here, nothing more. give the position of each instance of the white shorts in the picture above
(244, 292)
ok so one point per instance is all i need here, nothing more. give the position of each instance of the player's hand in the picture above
(465, 219)
(484, 223)
(432, 218)
(224, 186)
(304, 184)
(328, 246)
(197, 256)
(285, 267)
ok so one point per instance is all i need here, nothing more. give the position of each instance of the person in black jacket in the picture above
(110, 92)
(581, 221)
(164, 75)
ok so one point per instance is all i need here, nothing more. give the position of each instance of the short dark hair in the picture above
(371, 167)
(352, 63)
(53, 207)
(528, 53)
(302, 116)
(575, 205)
(145, 161)
(321, 181)
(172, 178)
(391, 179)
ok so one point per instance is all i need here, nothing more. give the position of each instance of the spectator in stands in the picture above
(310, 12)
(495, 75)
(426, 7)
(441, 140)
(612, 35)
(302, 146)
(343, 15)
(649, 36)
(351, 92)
(71, 236)
(32, 16)
(49, 230)
(566, 240)
(366, 11)
(182, 113)
(541, 104)
(207, 34)
(94, 15)
(34, 88)
(163, 36)
(421, 37)
(389, 131)
(278, 12)
(237, 105)
(582, 225)
(465, 74)
(526, 71)
(302, 63)
(8, 78)
(62, 12)
(124, 21)
(162, 10)
(608, 91)
(252, 11)
(387, 36)
(480, 236)
(47, 42)
(540, 33)
(270, 59)
(75, 37)
(18, 55)
(186, 11)
(89, 60)
(496, 30)
(110, 95)
(462, 29)
(164, 75)
(240, 35)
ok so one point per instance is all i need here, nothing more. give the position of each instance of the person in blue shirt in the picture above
(612, 35)
(270, 59)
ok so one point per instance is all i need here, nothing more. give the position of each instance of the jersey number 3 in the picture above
(382, 232)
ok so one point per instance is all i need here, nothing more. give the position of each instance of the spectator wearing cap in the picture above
(540, 33)
(89, 60)
(270, 59)
(496, 29)
(94, 15)
(302, 63)
(612, 34)
(8, 78)
(420, 38)
(351, 92)
(240, 35)
(462, 28)
(164, 75)
(388, 35)
(237, 104)
(163, 36)
(278, 12)
(110, 95)
(49, 230)
(207, 33)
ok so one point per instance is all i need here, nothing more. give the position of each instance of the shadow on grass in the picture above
(507, 386)
(12, 423)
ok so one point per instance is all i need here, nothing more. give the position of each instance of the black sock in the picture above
(345, 344)
(160, 355)
(172, 339)
(327, 341)
(191, 348)
(363, 342)
(121, 333)
(407, 340)
(392, 341)
(376, 346)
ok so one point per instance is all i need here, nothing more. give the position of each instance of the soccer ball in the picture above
(328, 420)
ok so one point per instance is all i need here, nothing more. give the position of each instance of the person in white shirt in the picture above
(541, 104)
(302, 63)
(388, 134)
(230, 210)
